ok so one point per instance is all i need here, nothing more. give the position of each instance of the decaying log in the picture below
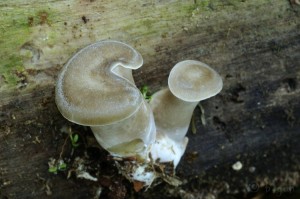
(250, 143)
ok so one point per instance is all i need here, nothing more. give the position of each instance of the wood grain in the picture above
(254, 45)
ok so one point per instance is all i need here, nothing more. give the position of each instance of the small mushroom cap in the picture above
(91, 89)
(194, 81)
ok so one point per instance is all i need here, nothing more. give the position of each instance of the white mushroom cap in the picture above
(194, 81)
(189, 82)
(91, 88)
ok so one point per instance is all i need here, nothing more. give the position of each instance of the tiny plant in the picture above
(56, 165)
(145, 93)
(74, 140)
(53, 169)
(62, 166)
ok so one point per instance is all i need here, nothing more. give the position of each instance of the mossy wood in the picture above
(253, 44)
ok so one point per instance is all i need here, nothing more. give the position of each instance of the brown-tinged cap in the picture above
(90, 92)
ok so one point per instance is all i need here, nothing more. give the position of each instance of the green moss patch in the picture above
(16, 26)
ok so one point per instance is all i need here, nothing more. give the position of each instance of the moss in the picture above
(9, 69)
(153, 25)
(16, 26)
(144, 27)
(14, 34)
(202, 5)
(148, 23)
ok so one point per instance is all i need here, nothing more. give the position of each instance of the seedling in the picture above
(56, 165)
(74, 140)
(145, 93)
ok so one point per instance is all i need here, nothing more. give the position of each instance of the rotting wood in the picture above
(255, 119)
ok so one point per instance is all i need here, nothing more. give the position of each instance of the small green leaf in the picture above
(145, 93)
(75, 138)
(53, 170)
(62, 166)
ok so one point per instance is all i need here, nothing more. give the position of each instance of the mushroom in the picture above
(189, 82)
(96, 88)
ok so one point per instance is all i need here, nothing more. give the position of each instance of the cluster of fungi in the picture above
(96, 88)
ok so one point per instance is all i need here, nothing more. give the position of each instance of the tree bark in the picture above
(254, 121)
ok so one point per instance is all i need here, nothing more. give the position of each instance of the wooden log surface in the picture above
(253, 44)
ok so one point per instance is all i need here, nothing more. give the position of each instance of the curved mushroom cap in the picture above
(194, 81)
(92, 90)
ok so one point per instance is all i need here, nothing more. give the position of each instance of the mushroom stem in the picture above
(172, 118)
(130, 137)
(172, 115)
(189, 82)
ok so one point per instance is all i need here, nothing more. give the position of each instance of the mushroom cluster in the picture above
(96, 88)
